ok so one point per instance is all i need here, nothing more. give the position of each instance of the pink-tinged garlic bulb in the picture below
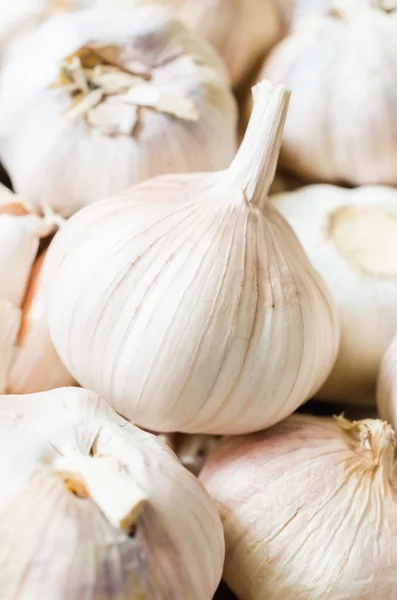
(100, 100)
(35, 366)
(92, 507)
(188, 302)
(309, 510)
(342, 122)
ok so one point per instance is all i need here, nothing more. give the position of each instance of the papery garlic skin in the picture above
(68, 162)
(341, 124)
(308, 508)
(205, 315)
(115, 514)
(36, 366)
(350, 237)
(241, 31)
(386, 391)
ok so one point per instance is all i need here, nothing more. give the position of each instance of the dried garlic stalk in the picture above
(93, 507)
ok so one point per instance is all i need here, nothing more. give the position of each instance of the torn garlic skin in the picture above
(350, 237)
(28, 360)
(115, 515)
(118, 97)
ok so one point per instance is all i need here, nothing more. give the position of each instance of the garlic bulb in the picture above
(342, 120)
(308, 510)
(100, 100)
(386, 397)
(28, 361)
(198, 318)
(350, 237)
(115, 514)
(36, 365)
(241, 31)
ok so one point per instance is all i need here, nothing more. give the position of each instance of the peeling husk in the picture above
(308, 508)
(241, 31)
(36, 366)
(28, 361)
(198, 319)
(334, 133)
(93, 507)
(350, 237)
(116, 97)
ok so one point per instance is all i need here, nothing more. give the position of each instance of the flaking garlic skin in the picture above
(309, 510)
(342, 122)
(204, 314)
(350, 237)
(92, 507)
(98, 100)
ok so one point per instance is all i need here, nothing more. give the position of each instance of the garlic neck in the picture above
(102, 479)
(254, 167)
(375, 440)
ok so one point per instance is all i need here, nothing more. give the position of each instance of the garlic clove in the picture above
(36, 366)
(308, 508)
(198, 320)
(115, 514)
(350, 239)
(10, 318)
(79, 146)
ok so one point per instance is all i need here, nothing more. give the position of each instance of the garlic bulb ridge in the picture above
(116, 97)
(115, 514)
(205, 315)
(386, 391)
(342, 120)
(350, 237)
(308, 508)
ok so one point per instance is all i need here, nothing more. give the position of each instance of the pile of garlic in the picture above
(199, 291)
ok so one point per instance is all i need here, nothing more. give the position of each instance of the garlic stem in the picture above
(254, 166)
(121, 500)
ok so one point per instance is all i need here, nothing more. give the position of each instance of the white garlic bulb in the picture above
(115, 515)
(28, 360)
(350, 237)
(342, 120)
(100, 100)
(205, 315)
(386, 393)
(241, 31)
(308, 508)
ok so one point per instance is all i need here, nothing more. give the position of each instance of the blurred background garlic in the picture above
(340, 67)
(116, 97)
(191, 449)
(115, 514)
(28, 360)
(241, 31)
(205, 315)
(386, 393)
(308, 508)
(350, 237)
